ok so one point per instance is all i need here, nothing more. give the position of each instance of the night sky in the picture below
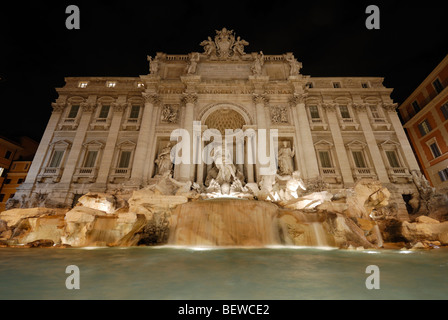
(329, 37)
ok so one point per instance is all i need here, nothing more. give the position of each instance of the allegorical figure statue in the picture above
(258, 64)
(209, 46)
(295, 66)
(285, 162)
(223, 161)
(163, 161)
(194, 59)
(153, 65)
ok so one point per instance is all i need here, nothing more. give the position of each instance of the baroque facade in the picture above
(108, 134)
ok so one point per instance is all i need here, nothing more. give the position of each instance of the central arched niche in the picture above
(225, 118)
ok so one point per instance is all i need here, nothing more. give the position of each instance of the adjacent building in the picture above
(110, 133)
(425, 117)
(15, 161)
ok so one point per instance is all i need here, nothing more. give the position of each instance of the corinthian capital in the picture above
(119, 107)
(390, 106)
(151, 98)
(359, 106)
(297, 99)
(260, 99)
(58, 107)
(329, 106)
(189, 98)
(87, 107)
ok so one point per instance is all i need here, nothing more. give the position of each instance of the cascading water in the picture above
(232, 222)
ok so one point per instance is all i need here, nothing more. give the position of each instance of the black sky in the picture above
(329, 37)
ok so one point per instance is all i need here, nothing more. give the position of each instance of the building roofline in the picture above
(425, 82)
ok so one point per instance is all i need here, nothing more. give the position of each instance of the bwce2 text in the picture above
(232, 309)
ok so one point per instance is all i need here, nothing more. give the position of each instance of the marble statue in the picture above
(224, 46)
(163, 161)
(153, 65)
(295, 66)
(223, 161)
(194, 59)
(258, 64)
(285, 159)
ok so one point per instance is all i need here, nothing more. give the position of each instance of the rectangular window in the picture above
(416, 106)
(82, 84)
(1, 171)
(325, 160)
(8, 154)
(314, 111)
(365, 85)
(90, 159)
(2, 196)
(73, 112)
(310, 85)
(435, 150)
(393, 159)
(444, 109)
(110, 84)
(12, 195)
(135, 111)
(125, 158)
(104, 113)
(437, 85)
(56, 159)
(358, 157)
(424, 128)
(7, 181)
(443, 174)
(20, 180)
(336, 85)
(375, 112)
(344, 112)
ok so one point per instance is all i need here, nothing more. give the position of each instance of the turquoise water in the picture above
(235, 274)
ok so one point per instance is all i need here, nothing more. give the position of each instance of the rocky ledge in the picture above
(361, 217)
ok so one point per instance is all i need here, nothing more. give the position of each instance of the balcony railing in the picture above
(54, 174)
(83, 172)
(360, 173)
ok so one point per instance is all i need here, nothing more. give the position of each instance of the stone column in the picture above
(44, 145)
(73, 157)
(109, 149)
(249, 154)
(402, 138)
(375, 153)
(307, 145)
(339, 146)
(144, 138)
(260, 100)
(186, 171)
(200, 165)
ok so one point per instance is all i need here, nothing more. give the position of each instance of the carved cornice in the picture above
(189, 98)
(260, 99)
(58, 107)
(151, 98)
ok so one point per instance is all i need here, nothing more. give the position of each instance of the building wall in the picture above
(15, 177)
(431, 102)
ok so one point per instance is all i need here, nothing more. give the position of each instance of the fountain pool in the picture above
(190, 273)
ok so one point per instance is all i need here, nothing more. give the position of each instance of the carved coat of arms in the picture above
(224, 46)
